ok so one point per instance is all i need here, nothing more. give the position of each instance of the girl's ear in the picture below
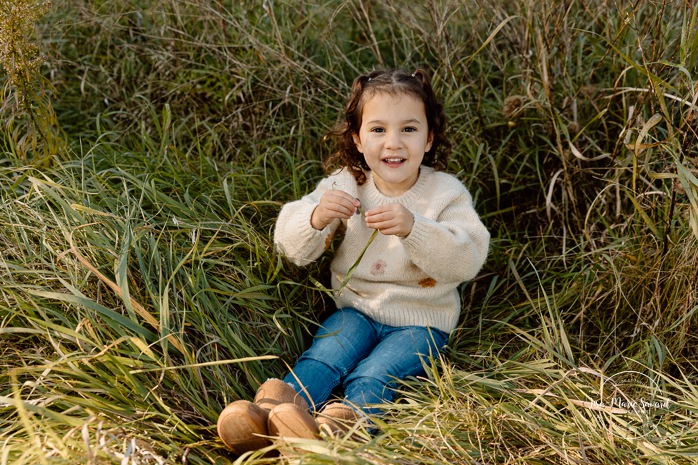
(357, 142)
(430, 140)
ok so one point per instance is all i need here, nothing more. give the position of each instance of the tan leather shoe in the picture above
(275, 392)
(291, 421)
(338, 418)
(242, 425)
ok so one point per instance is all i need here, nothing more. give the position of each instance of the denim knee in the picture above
(401, 352)
(343, 340)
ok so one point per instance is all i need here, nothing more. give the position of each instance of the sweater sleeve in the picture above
(295, 237)
(453, 246)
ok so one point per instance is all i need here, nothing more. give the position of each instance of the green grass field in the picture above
(147, 146)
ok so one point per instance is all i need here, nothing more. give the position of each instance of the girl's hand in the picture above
(392, 219)
(333, 204)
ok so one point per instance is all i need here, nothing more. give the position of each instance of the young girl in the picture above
(401, 302)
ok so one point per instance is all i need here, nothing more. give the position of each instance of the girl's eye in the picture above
(410, 129)
(377, 130)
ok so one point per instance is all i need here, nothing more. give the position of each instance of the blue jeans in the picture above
(364, 356)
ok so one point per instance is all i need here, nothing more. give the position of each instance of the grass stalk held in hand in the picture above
(358, 260)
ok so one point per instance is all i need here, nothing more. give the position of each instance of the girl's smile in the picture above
(394, 136)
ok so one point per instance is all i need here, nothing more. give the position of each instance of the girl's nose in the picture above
(393, 140)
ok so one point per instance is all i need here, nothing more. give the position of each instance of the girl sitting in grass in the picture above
(401, 302)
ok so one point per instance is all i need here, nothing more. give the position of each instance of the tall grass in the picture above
(140, 291)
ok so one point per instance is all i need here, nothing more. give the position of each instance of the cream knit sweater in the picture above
(399, 282)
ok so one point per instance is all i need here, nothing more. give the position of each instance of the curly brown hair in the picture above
(393, 82)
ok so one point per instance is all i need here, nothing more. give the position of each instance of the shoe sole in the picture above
(242, 425)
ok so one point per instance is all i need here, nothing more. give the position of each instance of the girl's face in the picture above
(394, 136)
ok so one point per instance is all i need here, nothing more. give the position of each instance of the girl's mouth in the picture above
(394, 161)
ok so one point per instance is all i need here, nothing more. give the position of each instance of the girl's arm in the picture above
(453, 247)
(304, 228)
